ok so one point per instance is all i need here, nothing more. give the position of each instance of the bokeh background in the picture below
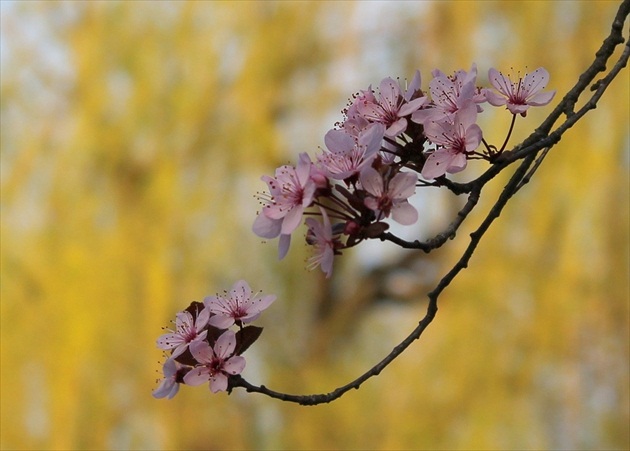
(133, 138)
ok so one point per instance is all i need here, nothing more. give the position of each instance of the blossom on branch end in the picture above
(216, 362)
(520, 95)
(455, 140)
(291, 191)
(187, 330)
(173, 376)
(240, 306)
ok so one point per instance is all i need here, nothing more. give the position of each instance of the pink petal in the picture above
(423, 116)
(275, 211)
(466, 115)
(250, 317)
(372, 137)
(371, 181)
(396, 128)
(197, 376)
(169, 341)
(183, 319)
(414, 86)
(170, 368)
(240, 288)
(234, 365)
(167, 389)
(218, 383)
(412, 106)
(536, 81)
(201, 351)
(473, 137)
(292, 220)
(221, 321)
(403, 185)
(370, 111)
(458, 163)
(272, 183)
(390, 91)
(500, 82)
(225, 344)
(202, 319)
(338, 141)
(283, 246)
(404, 213)
(542, 98)
(517, 108)
(303, 169)
(493, 98)
(260, 304)
(266, 227)
(437, 163)
(179, 350)
(326, 262)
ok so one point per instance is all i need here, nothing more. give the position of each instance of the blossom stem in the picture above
(507, 138)
(338, 214)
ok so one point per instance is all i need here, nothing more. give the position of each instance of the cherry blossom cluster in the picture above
(391, 141)
(203, 347)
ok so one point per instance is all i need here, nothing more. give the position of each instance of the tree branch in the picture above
(531, 151)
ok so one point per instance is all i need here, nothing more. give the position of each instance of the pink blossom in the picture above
(292, 190)
(456, 139)
(239, 306)
(520, 95)
(449, 94)
(187, 330)
(355, 122)
(216, 363)
(346, 155)
(168, 386)
(390, 196)
(391, 107)
(321, 237)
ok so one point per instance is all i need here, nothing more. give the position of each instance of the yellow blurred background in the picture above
(133, 138)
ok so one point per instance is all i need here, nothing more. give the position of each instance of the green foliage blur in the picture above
(133, 138)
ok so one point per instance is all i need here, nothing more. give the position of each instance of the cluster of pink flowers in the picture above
(203, 347)
(390, 142)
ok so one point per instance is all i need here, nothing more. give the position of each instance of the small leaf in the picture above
(246, 337)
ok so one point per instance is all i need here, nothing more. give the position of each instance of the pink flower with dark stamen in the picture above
(389, 196)
(216, 363)
(291, 191)
(187, 330)
(240, 305)
(449, 94)
(320, 236)
(391, 107)
(455, 140)
(519, 96)
(346, 155)
(169, 386)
